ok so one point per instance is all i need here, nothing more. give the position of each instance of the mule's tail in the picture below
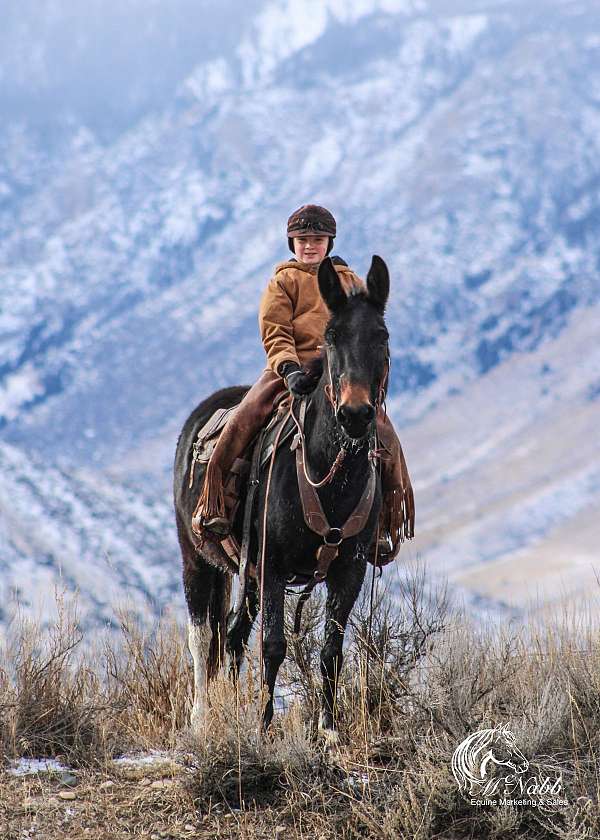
(218, 610)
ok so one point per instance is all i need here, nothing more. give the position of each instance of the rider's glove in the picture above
(298, 382)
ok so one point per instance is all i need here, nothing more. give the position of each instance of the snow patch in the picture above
(143, 759)
(31, 766)
(210, 80)
(322, 159)
(287, 26)
(464, 30)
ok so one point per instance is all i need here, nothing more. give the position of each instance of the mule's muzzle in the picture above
(356, 419)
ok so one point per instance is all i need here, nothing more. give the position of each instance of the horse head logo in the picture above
(475, 760)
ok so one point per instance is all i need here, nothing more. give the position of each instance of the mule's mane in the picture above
(352, 285)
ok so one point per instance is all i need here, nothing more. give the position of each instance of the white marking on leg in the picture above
(199, 636)
(329, 737)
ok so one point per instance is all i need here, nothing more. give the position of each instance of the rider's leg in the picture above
(398, 512)
(237, 433)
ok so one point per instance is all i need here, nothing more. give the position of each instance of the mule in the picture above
(340, 413)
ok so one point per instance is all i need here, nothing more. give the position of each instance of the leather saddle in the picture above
(235, 481)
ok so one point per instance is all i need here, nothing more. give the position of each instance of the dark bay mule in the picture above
(340, 414)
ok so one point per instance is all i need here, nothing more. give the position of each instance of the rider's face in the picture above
(311, 249)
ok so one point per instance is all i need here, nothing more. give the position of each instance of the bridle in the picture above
(312, 510)
(332, 398)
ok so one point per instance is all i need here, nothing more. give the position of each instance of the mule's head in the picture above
(356, 345)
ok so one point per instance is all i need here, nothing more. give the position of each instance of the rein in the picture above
(339, 459)
(316, 520)
(331, 396)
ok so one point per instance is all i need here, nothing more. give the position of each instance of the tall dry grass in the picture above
(90, 702)
(414, 684)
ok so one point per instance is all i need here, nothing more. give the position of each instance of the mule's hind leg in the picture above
(239, 627)
(343, 587)
(199, 636)
(198, 584)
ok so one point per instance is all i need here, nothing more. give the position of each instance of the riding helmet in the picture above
(310, 219)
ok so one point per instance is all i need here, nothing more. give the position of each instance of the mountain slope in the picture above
(80, 533)
(142, 257)
(141, 217)
(508, 478)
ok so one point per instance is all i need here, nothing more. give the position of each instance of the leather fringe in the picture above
(398, 516)
(211, 501)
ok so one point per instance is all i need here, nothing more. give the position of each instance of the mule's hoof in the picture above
(198, 717)
(328, 736)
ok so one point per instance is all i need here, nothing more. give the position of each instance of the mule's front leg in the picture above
(274, 643)
(343, 587)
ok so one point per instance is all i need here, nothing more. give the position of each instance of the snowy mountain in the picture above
(142, 209)
(78, 533)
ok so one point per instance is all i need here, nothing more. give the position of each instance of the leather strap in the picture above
(253, 482)
(313, 512)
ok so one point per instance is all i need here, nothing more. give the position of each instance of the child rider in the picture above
(292, 320)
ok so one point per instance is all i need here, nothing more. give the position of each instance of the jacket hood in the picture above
(310, 269)
(351, 282)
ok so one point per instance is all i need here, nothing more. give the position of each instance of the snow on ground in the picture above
(32, 766)
(140, 759)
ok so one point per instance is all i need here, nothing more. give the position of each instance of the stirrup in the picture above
(385, 550)
(218, 525)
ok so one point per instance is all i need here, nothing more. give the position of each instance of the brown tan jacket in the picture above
(293, 315)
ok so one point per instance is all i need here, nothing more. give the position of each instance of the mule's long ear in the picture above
(378, 282)
(330, 286)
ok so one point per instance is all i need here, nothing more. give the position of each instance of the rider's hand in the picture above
(298, 382)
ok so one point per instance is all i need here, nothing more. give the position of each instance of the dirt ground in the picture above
(152, 804)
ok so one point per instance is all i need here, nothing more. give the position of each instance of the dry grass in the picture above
(58, 697)
(430, 680)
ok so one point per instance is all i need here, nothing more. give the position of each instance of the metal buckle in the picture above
(328, 539)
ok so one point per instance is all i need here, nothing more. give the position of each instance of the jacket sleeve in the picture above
(275, 323)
